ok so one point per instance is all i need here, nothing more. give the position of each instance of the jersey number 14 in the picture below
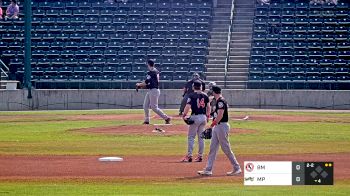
(200, 103)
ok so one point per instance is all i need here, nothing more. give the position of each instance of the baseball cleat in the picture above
(235, 172)
(167, 121)
(145, 123)
(198, 159)
(205, 173)
(187, 159)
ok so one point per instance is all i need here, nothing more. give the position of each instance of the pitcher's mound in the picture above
(150, 130)
(138, 130)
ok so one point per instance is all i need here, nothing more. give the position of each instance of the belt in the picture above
(222, 123)
(197, 114)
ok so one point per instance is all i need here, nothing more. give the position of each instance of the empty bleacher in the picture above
(301, 45)
(89, 41)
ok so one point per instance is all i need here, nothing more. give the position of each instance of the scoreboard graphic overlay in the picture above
(288, 173)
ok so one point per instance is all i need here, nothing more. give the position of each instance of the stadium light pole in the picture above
(27, 46)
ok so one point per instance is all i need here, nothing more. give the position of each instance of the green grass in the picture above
(49, 136)
(49, 133)
(149, 188)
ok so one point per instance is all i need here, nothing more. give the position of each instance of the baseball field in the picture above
(56, 152)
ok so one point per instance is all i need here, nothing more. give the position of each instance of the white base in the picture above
(110, 159)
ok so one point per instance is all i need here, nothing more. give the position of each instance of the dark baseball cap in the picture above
(216, 89)
(150, 62)
(197, 84)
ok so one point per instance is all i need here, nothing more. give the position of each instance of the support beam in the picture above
(27, 46)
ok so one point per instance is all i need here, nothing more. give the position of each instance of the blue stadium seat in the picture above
(67, 53)
(85, 45)
(121, 77)
(119, 20)
(151, 5)
(50, 71)
(86, 62)
(110, 53)
(110, 70)
(147, 18)
(140, 70)
(57, 62)
(124, 69)
(95, 70)
(113, 62)
(99, 62)
(65, 70)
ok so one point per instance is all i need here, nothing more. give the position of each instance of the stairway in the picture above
(2, 77)
(240, 45)
(217, 42)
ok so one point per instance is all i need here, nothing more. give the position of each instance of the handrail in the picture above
(229, 40)
(3, 64)
(6, 68)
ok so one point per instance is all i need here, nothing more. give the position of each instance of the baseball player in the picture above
(220, 132)
(188, 90)
(198, 102)
(212, 101)
(152, 96)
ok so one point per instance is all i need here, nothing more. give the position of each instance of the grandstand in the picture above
(300, 45)
(240, 44)
(93, 41)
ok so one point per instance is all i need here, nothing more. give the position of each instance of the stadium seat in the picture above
(76, 38)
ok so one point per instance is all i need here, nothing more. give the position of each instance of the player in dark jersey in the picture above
(220, 132)
(152, 96)
(212, 101)
(198, 102)
(188, 90)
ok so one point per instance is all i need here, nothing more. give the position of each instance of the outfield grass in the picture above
(49, 133)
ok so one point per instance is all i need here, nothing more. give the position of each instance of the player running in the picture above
(220, 132)
(152, 96)
(198, 102)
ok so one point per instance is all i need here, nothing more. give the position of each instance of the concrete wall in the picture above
(112, 99)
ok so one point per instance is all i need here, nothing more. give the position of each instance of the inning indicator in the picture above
(288, 173)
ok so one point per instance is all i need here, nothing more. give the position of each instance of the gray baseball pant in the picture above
(151, 101)
(196, 129)
(220, 137)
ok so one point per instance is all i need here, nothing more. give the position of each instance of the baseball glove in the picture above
(139, 87)
(188, 121)
(206, 134)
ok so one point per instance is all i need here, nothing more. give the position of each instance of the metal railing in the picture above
(229, 41)
(3, 68)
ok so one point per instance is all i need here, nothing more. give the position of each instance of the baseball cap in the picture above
(150, 62)
(211, 84)
(195, 75)
(197, 84)
(216, 89)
